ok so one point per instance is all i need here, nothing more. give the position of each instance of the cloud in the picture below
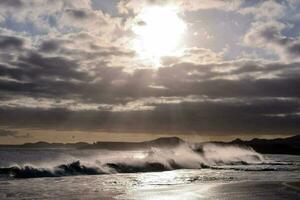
(56, 91)
(63, 73)
(86, 19)
(54, 16)
(70, 66)
(10, 42)
(227, 116)
(269, 35)
(13, 133)
(135, 6)
(78, 14)
(266, 10)
(49, 45)
(212, 4)
(12, 3)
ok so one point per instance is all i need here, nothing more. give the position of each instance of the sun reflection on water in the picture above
(170, 185)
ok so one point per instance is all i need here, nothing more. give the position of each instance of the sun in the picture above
(159, 32)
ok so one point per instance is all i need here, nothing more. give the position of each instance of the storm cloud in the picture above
(72, 68)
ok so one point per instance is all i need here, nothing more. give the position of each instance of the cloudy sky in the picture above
(88, 70)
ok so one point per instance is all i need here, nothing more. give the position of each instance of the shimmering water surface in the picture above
(223, 181)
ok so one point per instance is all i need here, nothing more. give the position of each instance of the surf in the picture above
(178, 154)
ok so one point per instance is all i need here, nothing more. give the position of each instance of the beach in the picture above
(61, 189)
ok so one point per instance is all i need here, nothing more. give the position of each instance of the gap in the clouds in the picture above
(31, 28)
(27, 27)
(105, 6)
(250, 3)
(217, 30)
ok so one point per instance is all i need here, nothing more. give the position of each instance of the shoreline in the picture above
(260, 190)
(246, 190)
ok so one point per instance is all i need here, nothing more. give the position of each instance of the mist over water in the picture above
(217, 154)
(29, 163)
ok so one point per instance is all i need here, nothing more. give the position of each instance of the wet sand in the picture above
(108, 188)
(254, 190)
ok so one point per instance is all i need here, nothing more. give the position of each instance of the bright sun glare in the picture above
(158, 32)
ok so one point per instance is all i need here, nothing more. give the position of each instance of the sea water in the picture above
(179, 173)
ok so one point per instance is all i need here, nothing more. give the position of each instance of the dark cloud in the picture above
(248, 116)
(294, 48)
(78, 14)
(56, 66)
(186, 79)
(238, 88)
(5, 133)
(269, 35)
(34, 67)
(39, 75)
(10, 42)
(11, 3)
(78, 77)
(49, 45)
(12, 133)
(250, 67)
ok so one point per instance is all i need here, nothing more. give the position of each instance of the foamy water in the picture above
(188, 184)
(32, 163)
(184, 172)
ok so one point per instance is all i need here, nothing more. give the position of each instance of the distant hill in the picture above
(47, 145)
(290, 145)
(164, 142)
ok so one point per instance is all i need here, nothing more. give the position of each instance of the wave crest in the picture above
(182, 156)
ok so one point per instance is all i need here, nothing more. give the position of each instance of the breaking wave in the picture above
(74, 168)
(154, 159)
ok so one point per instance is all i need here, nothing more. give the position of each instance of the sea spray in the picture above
(157, 158)
(220, 154)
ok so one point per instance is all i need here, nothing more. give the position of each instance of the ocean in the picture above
(215, 172)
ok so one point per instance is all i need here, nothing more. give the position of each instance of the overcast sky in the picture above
(70, 70)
